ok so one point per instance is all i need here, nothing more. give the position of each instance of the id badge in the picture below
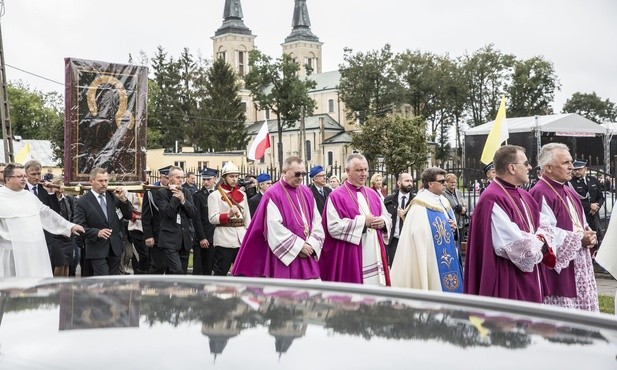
(178, 219)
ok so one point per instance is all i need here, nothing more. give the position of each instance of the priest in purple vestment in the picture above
(285, 236)
(572, 282)
(507, 240)
(355, 219)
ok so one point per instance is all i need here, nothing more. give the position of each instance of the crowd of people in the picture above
(532, 245)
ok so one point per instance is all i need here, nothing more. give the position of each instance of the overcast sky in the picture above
(578, 37)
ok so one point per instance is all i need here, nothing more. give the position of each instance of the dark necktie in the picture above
(103, 203)
(321, 192)
(400, 222)
(35, 190)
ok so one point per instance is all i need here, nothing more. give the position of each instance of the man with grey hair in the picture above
(426, 256)
(96, 212)
(571, 283)
(355, 220)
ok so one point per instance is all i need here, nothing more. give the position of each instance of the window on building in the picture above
(267, 113)
(309, 150)
(331, 106)
(201, 165)
(241, 63)
(221, 55)
(330, 158)
(180, 164)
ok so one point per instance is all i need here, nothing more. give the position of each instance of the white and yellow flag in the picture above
(497, 135)
(607, 254)
(23, 155)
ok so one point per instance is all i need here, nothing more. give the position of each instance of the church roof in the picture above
(325, 81)
(232, 19)
(310, 122)
(301, 24)
(340, 138)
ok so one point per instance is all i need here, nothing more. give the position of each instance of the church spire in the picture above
(232, 19)
(301, 24)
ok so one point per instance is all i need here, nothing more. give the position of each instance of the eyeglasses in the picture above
(19, 177)
(299, 174)
(526, 163)
(442, 181)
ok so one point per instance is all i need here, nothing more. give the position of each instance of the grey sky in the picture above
(577, 36)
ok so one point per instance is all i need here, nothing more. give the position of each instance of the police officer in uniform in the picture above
(590, 192)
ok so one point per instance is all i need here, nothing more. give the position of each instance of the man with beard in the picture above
(355, 219)
(228, 210)
(427, 258)
(285, 237)
(396, 204)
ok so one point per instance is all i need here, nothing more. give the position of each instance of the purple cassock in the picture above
(564, 283)
(486, 273)
(342, 261)
(255, 257)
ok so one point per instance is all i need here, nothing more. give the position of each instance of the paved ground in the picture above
(607, 285)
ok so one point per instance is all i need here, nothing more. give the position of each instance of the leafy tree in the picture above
(533, 87)
(368, 84)
(37, 115)
(222, 127)
(592, 107)
(487, 73)
(275, 85)
(399, 139)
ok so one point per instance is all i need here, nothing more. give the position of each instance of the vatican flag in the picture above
(498, 134)
(23, 155)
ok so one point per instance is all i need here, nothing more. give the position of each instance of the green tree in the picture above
(275, 85)
(167, 117)
(487, 74)
(533, 87)
(37, 115)
(222, 127)
(400, 140)
(368, 83)
(592, 107)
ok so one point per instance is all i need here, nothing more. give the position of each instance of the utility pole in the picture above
(7, 134)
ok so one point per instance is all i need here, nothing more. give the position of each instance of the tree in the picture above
(222, 127)
(400, 140)
(487, 74)
(592, 107)
(37, 115)
(533, 87)
(368, 84)
(275, 85)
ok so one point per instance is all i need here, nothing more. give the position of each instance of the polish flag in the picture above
(260, 144)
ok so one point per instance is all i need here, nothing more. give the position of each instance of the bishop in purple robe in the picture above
(571, 283)
(507, 240)
(285, 236)
(355, 220)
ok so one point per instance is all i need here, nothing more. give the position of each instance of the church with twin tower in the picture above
(327, 133)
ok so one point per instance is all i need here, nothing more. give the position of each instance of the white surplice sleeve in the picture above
(54, 223)
(566, 243)
(509, 241)
(346, 229)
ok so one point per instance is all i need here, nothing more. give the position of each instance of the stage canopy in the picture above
(569, 124)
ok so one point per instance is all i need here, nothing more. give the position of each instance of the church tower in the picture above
(302, 44)
(233, 40)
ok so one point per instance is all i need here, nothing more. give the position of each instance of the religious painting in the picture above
(105, 110)
(103, 309)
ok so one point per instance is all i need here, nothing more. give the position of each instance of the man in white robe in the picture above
(426, 256)
(23, 250)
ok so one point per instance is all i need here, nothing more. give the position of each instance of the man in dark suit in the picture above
(33, 170)
(104, 236)
(176, 211)
(397, 205)
(203, 246)
(590, 191)
(264, 181)
(191, 183)
(318, 187)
